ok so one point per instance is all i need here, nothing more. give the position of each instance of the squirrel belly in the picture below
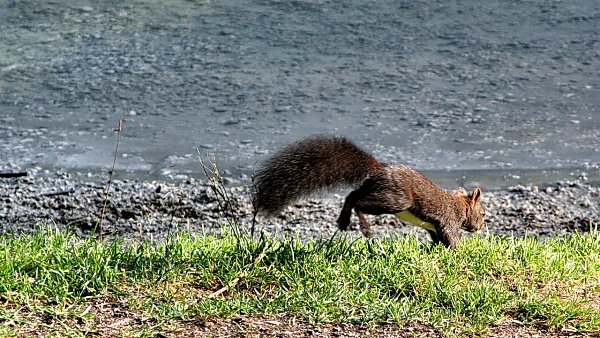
(409, 217)
(322, 162)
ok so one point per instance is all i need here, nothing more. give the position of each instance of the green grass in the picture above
(554, 285)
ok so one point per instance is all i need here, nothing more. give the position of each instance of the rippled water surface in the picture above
(440, 85)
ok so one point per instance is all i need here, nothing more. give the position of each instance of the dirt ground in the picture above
(107, 317)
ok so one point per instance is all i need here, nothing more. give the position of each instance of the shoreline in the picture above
(141, 210)
(491, 179)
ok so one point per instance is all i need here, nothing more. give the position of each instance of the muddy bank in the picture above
(152, 210)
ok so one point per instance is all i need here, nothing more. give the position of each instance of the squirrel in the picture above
(321, 162)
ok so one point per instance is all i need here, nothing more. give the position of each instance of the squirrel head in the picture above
(475, 212)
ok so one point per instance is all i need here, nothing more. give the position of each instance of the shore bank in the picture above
(152, 210)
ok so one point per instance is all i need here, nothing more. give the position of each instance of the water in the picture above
(450, 88)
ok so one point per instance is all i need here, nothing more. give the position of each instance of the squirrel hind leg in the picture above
(365, 227)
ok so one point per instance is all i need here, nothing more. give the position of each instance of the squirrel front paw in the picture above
(366, 231)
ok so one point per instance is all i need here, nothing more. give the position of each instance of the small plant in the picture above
(216, 183)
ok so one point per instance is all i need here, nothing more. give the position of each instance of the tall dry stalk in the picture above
(110, 179)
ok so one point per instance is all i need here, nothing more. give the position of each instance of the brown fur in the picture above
(320, 162)
(305, 166)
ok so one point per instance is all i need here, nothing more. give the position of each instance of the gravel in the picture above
(140, 210)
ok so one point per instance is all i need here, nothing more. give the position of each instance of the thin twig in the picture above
(13, 174)
(229, 285)
(110, 177)
(58, 193)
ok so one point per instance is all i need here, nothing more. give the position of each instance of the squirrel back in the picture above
(306, 166)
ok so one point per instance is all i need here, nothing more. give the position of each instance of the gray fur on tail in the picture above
(306, 166)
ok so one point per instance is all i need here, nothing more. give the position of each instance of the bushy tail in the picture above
(306, 166)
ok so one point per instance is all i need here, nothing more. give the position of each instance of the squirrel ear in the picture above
(475, 196)
(460, 192)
